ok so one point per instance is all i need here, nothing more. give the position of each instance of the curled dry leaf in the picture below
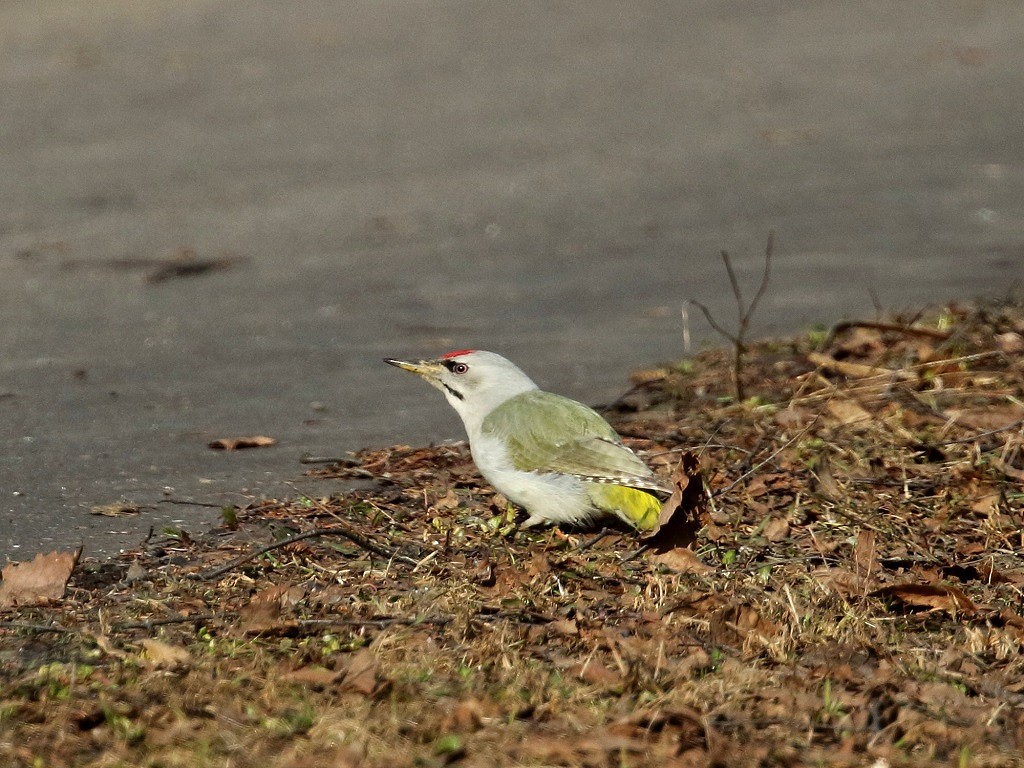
(263, 613)
(115, 510)
(38, 581)
(937, 597)
(679, 520)
(238, 443)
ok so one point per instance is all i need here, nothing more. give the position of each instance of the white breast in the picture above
(548, 497)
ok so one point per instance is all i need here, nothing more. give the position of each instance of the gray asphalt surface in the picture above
(547, 180)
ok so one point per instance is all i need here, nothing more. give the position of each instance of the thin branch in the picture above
(356, 538)
(736, 292)
(980, 435)
(39, 628)
(907, 330)
(153, 623)
(380, 621)
(711, 320)
(765, 277)
(744, 312)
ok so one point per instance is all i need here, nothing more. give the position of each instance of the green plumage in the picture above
(548, 433)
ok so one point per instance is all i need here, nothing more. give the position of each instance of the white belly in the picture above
(549, 497)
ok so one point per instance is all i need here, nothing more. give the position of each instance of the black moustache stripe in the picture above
(455, 392)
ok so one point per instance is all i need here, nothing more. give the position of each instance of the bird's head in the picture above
(473, 381)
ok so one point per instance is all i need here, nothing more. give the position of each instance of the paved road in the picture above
(545, 179)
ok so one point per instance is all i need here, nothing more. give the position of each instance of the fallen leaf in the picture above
(314, 677)
(682, 560)
(238, 443)
(186, 263)
(937, 597)
(262, 614)
(679, 520)
(848, 411)
(565, 627)
(164, 655)
(449, 501)
(776, 530)
(361, 673)
(115, 510)
(596, 673)
(38, 581)
(865, 558)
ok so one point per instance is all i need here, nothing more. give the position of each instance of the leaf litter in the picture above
(845, 589)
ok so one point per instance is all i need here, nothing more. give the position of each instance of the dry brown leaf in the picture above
(987, 504)
(848, 411)
(164, 655)
(262, 614)
(679, 520)
(449, 501)
(115, 510)
(38, 581)
(937, 597)
(361, 673)
(567, 627)
(865, 558)
(596, 673)
(314, 677)
(238, 443)
(776, 530)
(682, 560)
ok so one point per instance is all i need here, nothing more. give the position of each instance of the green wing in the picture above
(545, 432)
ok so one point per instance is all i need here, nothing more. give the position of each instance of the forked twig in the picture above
(744, 312)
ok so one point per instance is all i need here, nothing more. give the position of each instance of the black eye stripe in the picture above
(455, 366)
(455, 392)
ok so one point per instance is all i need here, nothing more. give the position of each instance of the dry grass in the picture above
(856, 598)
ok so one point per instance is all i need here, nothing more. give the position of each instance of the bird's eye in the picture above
(460, 368)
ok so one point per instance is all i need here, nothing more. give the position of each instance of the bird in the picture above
(551, 455)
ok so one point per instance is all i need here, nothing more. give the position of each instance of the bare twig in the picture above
(744, 312)
(153, 623)
(38, 628)
(379, 621)
(338, 530)
(907, 330)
